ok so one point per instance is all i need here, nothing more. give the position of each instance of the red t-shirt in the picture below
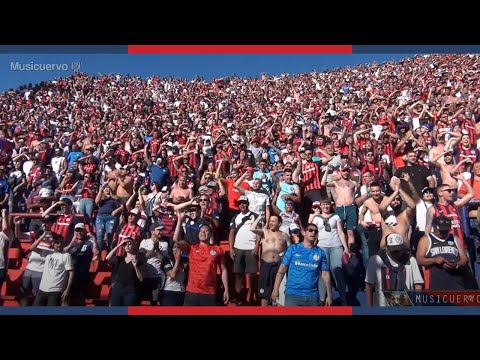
(203, 261)
(233, 194)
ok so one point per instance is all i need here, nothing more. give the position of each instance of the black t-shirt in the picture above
(125, 273)
(418, 176)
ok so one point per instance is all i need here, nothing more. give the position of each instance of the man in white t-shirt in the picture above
(392, 269)
(57, 278)
(421, 208)
(259, 201)
(59, 163)
(154, 250)
(39, 249)
(244, 246)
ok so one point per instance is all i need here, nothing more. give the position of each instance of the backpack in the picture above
(393, 277)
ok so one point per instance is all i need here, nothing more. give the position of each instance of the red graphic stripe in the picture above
(239, 49)
(237, 310)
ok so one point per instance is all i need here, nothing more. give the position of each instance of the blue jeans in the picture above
(105, 224)
(85, 206)
(295, 300)
(123, 295)
(334, 260)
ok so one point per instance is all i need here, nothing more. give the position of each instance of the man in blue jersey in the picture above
(304, 262)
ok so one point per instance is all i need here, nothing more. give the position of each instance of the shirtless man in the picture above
(447, 167)
(398, 220)
(443, 146)
(274, 243)
(182, 192)
(121, 184)
(345, 207)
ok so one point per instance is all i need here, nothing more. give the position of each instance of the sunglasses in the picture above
(203, 200)
(449, 190)
(313, 231)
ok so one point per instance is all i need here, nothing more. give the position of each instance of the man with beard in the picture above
(394, 217)
(391, 269)
(274, 243)
(444, 258)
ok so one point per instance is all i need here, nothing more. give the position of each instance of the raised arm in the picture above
(237, 185)
(254, 229)
(324, 178)
(388, 200)
(470, 192)
(178, 235)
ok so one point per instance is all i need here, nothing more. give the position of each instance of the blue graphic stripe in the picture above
(414, 49)
(63, 49)
(417, 310)
(61, 310)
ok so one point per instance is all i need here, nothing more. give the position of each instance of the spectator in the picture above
(305, 264)
(173, 292)
(331, 239)
(83, 249)
(391, 269)
(154, 250)
(204, 259)
(57, 278)
(127, 273)
(444, 258)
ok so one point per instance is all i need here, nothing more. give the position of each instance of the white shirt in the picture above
(368, 216)
(245, 239)
(4, 243)
(328, 238)
(421, 213)
(54, 278)
(154, 264)
(58, 163)
(36, 260)
(258, 201)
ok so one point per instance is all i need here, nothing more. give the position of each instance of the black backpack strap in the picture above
(244, 220)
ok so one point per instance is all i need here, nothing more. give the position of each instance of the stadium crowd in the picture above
(369, 175)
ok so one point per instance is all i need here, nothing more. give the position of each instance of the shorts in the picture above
(348, 215)
(30, 282)
(266, 280)
(244, 262)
